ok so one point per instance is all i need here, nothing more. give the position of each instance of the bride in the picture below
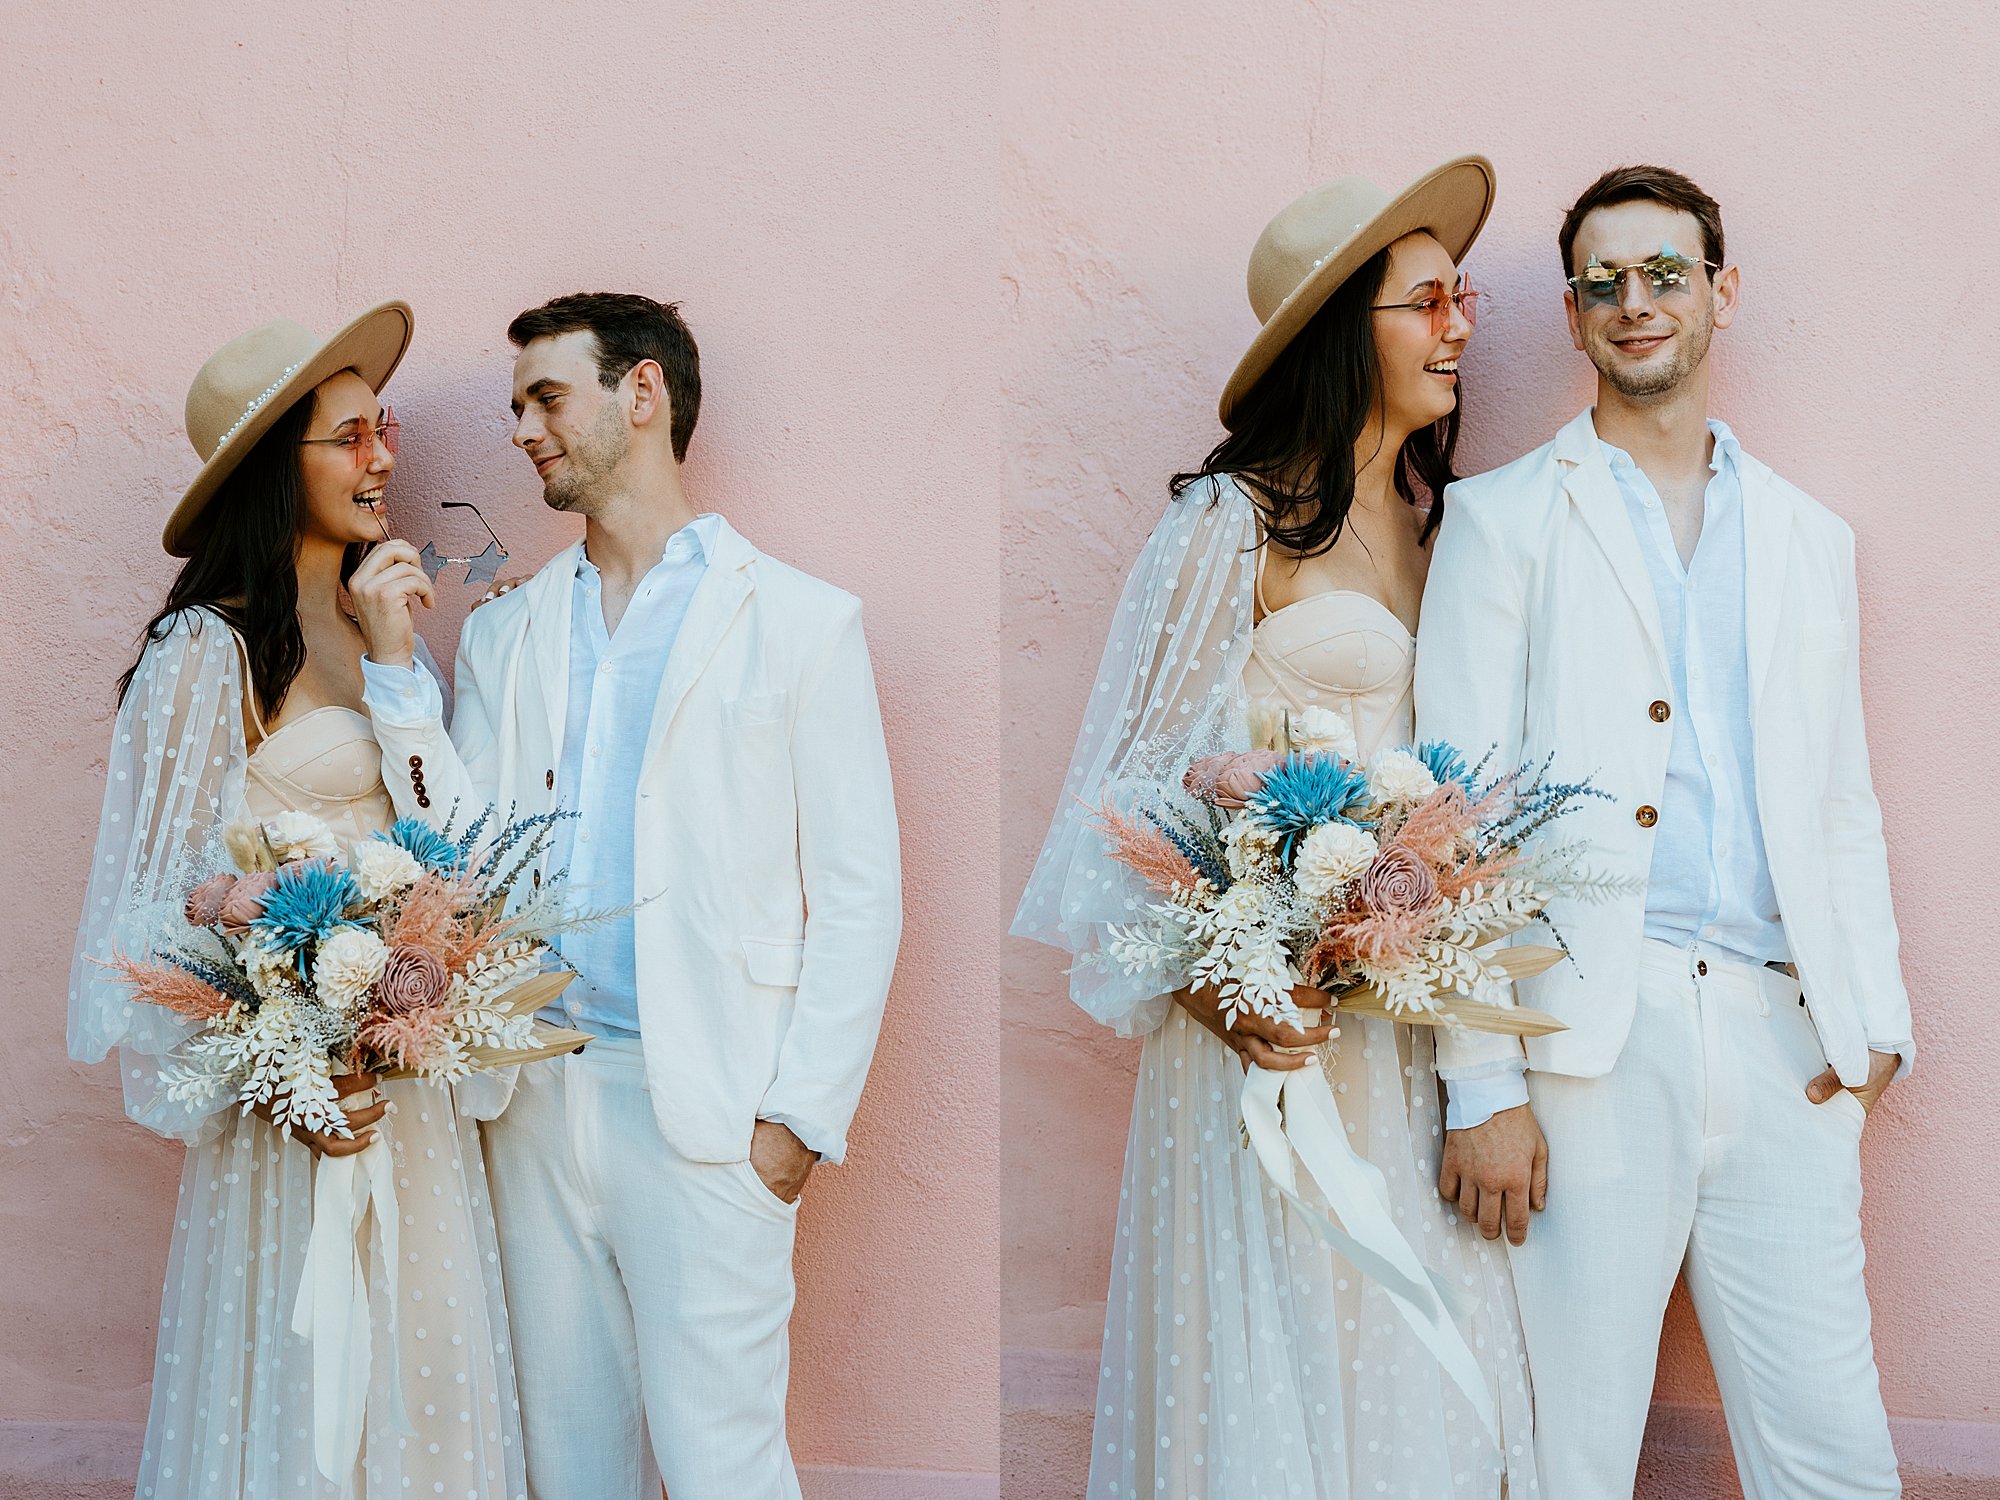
(1242, 1357)
(245, 700)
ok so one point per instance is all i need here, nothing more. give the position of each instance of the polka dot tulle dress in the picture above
(1242, 1359)
(231, 1415)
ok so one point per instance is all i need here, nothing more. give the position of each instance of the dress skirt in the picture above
(1243, 1360)
(232, 1399)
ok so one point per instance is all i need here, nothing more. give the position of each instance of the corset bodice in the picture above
(326, 763)
(1341, 650)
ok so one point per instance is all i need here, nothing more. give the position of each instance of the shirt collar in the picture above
(1728, 452)
(694, 542)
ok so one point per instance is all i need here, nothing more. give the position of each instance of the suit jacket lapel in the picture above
(545, 657)
(724, 585)
(1592, 489)
(1767, 535)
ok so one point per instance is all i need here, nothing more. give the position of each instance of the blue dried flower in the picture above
(424, 844)
(306, 903)
(1303, 791)
(1201, 850)
(1445, 764)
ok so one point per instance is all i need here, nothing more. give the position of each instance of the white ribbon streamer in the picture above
(332, 1311)
(1288, 1113)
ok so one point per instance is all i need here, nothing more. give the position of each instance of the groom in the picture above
(710, 715)
(1644, 601)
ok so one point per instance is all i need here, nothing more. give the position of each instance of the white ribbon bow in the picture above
(1287, 1113)
(332, 1310)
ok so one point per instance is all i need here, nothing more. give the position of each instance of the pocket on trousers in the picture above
(1849, 1104)
(761, 1194)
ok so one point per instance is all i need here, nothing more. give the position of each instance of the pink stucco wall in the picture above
(817, 188)
(1853, 157)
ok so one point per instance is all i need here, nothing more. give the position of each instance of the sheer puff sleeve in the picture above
(173, 777)
(1169, 687)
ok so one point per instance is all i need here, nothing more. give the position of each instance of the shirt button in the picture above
(583, 838)
(1647, 816)
(1661, 711)
(605, 668)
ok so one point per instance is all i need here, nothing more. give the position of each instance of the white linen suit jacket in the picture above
(1541, 637)
(764, 836)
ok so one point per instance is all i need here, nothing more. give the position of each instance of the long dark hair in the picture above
(245, 560)
(1302, 418)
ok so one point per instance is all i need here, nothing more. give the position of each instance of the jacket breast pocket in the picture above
(777, 962)
(753, 709)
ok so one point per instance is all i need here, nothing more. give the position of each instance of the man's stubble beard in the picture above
(575, 493)
(1644, 385)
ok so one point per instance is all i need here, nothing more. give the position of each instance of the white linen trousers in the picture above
(649, 1294)
(1700, 1153)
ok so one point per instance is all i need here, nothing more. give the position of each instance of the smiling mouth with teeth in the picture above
(369, 498)
(1442, 367)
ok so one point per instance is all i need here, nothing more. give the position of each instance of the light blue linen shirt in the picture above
(1710, 880)
(614, 684)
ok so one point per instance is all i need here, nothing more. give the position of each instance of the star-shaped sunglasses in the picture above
(483, 569)
(1669, 272)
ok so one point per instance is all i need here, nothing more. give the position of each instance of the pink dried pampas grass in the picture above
(446, 919)
(1146, 851)
(170, 986)
(1455, 881)
(1440, 828)
(408, 1040)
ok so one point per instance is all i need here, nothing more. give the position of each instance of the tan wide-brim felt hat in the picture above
(1323, 237)
(253, 380)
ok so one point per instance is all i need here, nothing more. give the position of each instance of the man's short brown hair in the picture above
(628, 328)
(1646, 185)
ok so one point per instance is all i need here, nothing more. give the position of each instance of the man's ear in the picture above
(650, 403)
(1728, 294)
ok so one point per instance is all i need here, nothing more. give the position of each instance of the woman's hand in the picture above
(385, 589)
(1257, 1039)
(359, 1118)
(504, 586)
